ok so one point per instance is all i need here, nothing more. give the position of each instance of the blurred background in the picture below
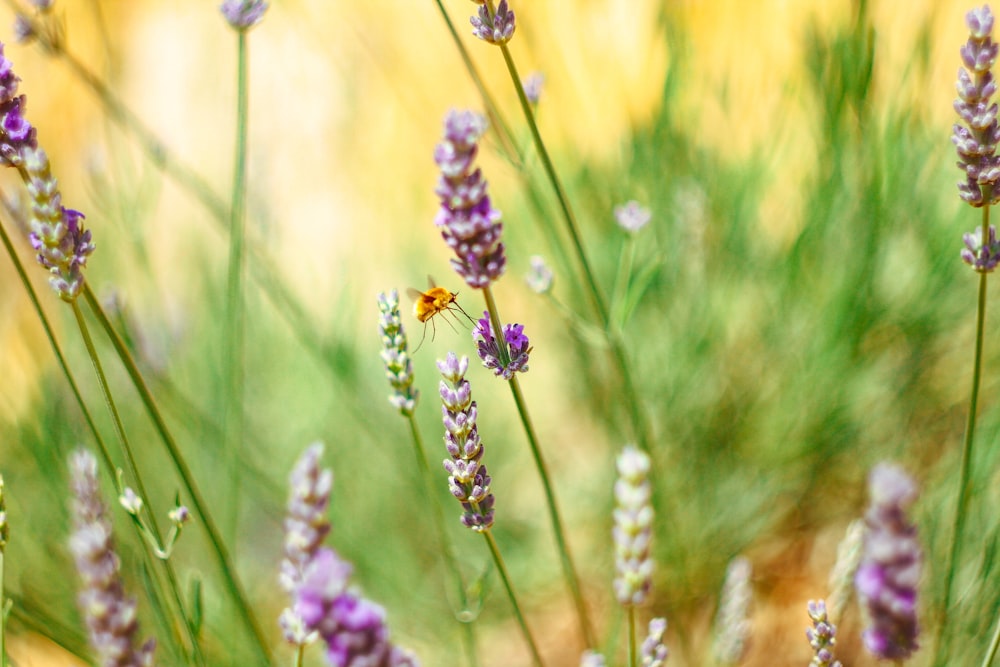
(797, 309)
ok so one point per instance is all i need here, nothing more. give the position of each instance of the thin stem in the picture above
(492, 110)
(235, 322)
(299, 653)
(200, 506)
(173, 583)
(502, 568)
(569, 571)
(630, 615)
(109, 402)
(597, 301)
(50, 334)
(964, 488)
(451, 561)
(101, 445)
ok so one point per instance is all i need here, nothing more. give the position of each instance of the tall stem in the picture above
(235, 322)
(451, 561)
(630, 614)
(505, 577)
(964, 488)
(994, 645)
(565, 558)
(226, 564)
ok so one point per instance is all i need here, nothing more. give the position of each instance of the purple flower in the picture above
(983, 258)
(57, 233)
(306, 524)
(517, 345)
(887, 578)
(111, 618)
(243, 14)
(633, 528)
(821, 636)
(495, 28)
(469, 224)
(976, 141)
(398, 369)
(322, 605)
(16, 133)
(352, 627)
(468, 480)
(654, 652)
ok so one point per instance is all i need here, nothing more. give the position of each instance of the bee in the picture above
(432, 302)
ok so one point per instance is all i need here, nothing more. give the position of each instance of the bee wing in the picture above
(431, 284)
(414, 293)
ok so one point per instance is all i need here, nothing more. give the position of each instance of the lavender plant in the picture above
(654, 651)
(468, 480)
(975, 140)
(110, 616)
(821, 636)
(472, 229)
(889, 571)
(323, 604)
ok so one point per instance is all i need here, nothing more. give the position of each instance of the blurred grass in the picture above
(803, 311)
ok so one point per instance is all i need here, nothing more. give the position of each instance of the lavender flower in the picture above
(306, 524)
(468, 480)
(243, 14)
(540, 277)
(110, 617)
(24, 31)
(632, 216)
(16, 133)
(533, 87)
(323, 606)
(632, 530)
(518, 347)
(592, 659)
(976, 141)
(732, 625)
(398, 369)
(470, 225)
(495, 28)
(654, 652)
(983, 258)
(821, 636)
(890, 567)
(352, 627)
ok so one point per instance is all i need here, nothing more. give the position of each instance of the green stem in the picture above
(109, 402)
(994, 645)
(173, 584)
(492, 110)
(630, 615)
(502, 568)
(200, 506)
(451, 561)
(597, 301)
(964, 487)
(50, 334)
(101, 445)
(569, 571)
(299, 653)
(235, 322)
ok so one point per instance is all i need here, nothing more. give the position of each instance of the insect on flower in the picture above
(428, 304)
